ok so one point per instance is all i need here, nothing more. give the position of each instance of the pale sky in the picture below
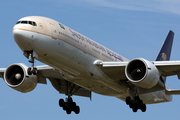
(131, 28)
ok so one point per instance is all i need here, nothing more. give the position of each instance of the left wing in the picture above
(168, 68)
(116, 70)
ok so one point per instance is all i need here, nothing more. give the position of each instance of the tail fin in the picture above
(165, 51)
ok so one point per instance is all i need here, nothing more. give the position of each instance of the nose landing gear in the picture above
(31, 70)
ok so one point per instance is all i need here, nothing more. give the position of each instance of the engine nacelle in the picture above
(142, 73)
(17, 78)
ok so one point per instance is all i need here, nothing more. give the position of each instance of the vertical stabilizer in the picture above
(165, 51)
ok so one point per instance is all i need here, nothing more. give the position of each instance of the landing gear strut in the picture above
(136, 104)
(69, 105)
(32, 70)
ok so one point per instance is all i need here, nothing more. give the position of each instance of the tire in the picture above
(140, 104)
(128, 100)
(143, 108)
(61, 102)
(73, 104)
(68, 111)
(34, 71)
(130, 105)
(29, 71)
(64, 107)
(77, 110)
(134, 109)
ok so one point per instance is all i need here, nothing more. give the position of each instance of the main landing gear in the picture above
(136, 104)
(69, 105)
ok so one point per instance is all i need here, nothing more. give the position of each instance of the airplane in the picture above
(77, 65)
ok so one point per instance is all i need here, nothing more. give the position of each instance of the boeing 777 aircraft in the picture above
(77, 65)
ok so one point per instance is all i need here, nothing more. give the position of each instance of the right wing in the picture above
(57, 80)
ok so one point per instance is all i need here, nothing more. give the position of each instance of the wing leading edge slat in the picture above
(116, 70)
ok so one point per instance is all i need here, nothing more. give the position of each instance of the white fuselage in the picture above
(74, 55)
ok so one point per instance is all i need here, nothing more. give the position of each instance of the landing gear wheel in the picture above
(61, 102)
(128, 100)
(68, 111)
(69, 106)
(34, 71)
(77, 110)
(64, 107)
(136, 104)
(134, 109)
(29, 71)
(143, 108)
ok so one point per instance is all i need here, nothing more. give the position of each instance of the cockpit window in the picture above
(24, 22)
(27, 22)
(30, 22)
(34, 24)
(18, 22)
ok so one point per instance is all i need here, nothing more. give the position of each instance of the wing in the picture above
(57, 80)
(2, 70)
(116, 70)
(168, 68)
(59, 83)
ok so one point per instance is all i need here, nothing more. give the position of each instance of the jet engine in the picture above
(17, 78)
(142, 73)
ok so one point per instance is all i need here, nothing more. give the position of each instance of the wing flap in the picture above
(65, 87)
(113, 70)
(168, 68)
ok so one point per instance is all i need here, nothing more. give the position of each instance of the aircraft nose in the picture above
(21, 38)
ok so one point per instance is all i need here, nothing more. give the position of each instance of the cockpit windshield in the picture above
(27, 22)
